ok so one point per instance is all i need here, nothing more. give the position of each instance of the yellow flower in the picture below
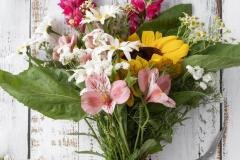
(170, 47)
(137, 64)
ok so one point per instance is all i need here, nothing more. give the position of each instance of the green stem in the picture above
(91, 152)
(146, 121)
(91, 128)
(123, 135)
(139, 128)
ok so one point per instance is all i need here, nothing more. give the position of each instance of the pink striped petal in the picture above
(110, 107)
(156, 95)
(92, 102)
(164, 82)
(98, 82)
(143, 79)
(120, 92)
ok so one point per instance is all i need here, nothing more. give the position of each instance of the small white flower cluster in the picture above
(198, 74)
(197, 32)
(195, 28)
(101, 14)
(122, 65)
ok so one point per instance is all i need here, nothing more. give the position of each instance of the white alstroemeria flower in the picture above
(66, 56)
(196, 71)
(123, 65)
(115, 45)
(98, 67)
(203, 85)
(97, 38)
(79, 75)
(101, 14)
(93, 66)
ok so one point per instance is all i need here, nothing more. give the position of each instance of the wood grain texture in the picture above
(231, 85)
(193, 139)
(13, 115)
(49, 139)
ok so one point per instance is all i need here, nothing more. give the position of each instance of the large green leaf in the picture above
(150, 146)
(187, 97)
(168, 22)
(46, 91)
(216, 57)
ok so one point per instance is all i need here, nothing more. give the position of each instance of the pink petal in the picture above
(84, 58)
(156, 95)
(120, 92)
(73, 41)
(139, 5)
(143, 79)
(153, 9)
(92, 102)
(98, 82)
(109, 108)
(70, 40)
(164, 82)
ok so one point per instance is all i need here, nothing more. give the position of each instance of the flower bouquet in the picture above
(129, 71)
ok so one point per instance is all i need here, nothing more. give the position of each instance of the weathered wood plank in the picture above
(49, 139)
(194, 138)
(231, 79)
(14, 30)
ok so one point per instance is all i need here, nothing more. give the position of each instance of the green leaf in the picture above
(45, 90)
(186, 97)
(168, 22)
(216, 57)
(150, 146)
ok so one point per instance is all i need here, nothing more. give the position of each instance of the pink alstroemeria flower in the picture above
(101, 95)
(155, 87)
(70, 41)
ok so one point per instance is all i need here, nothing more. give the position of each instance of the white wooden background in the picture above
(47, 139)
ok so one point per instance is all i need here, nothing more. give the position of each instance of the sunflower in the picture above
(161, 52)
(169, 47)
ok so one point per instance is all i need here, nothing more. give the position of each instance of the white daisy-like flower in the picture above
(123, 65)
(22, 49)
(101, 14)
(126, 47)
(196, 71)
(43, 27)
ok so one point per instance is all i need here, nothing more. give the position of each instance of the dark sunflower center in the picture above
(145, 53)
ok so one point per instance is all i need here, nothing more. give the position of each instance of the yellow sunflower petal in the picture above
(161, 42)
(133, 37)
(148, 38)
(143, 62)
(158, 35)
(172, 46)
(156, 58)
(175, 56)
